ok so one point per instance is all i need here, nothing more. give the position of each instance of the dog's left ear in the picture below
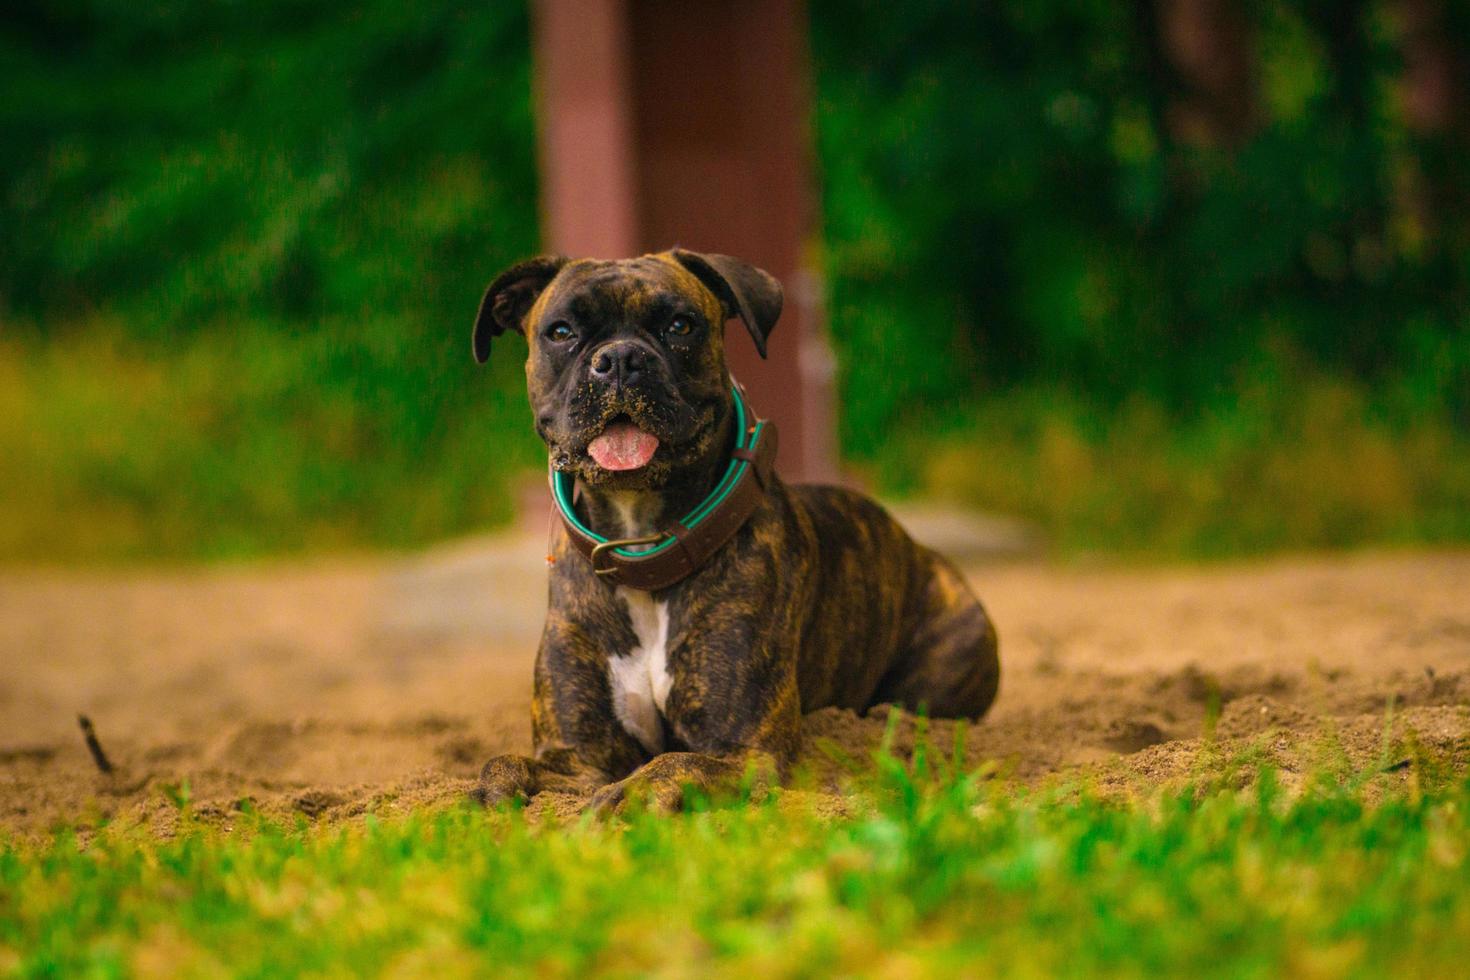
(752, 294)
(509, 298)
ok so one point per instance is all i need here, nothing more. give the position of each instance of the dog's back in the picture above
(886, 619)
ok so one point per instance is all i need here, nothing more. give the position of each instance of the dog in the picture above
(698, 605)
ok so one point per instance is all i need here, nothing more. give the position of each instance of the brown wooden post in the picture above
(671, 122)
(1209, 46)
(1432, 75)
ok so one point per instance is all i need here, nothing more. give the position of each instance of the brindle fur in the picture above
(820, 599)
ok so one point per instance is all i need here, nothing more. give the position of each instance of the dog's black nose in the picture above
(619, 362)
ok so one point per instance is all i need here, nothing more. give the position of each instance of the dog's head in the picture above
(626, 366)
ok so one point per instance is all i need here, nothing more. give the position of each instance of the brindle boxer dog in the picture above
(648, 684)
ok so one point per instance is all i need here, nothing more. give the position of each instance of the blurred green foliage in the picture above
(1005, 205)
(243, 245)
(240, 244)
(1047, 303)
(187, 164)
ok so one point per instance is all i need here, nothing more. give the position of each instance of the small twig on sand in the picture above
(94, 746)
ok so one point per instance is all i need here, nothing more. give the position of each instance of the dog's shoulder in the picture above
(844, 520)
(833, 507)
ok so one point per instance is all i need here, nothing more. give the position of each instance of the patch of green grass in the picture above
(1282, 459)
(253, 438)
(941, 874)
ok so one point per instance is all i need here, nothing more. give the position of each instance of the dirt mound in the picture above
(321, 693)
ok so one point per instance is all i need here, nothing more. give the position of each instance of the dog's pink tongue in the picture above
(623, 446)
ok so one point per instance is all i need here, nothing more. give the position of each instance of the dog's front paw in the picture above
(662, 785)
(657, 794)
(506, 778)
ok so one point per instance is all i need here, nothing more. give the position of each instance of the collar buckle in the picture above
(606, 546)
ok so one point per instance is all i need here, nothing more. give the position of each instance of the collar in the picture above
(679, 551)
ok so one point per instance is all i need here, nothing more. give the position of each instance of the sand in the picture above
(331, 689)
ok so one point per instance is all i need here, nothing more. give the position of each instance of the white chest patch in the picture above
(640, 681)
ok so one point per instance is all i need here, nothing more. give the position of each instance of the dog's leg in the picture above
(734, 709)
(662, 784)
(951, 666)
(579, 743)
(519, 777)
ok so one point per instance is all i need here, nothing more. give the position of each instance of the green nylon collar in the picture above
(562, 487)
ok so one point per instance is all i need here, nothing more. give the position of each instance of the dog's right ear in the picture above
(509, 297)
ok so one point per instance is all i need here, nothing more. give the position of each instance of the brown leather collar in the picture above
(683, 549)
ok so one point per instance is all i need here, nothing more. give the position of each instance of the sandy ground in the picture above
(329, 689)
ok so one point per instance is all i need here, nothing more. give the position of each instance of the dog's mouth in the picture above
(622, 446)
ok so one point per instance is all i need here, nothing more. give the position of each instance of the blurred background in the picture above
(1166, 278)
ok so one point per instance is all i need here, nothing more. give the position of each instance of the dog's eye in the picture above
(560, 331)
(680, 326)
